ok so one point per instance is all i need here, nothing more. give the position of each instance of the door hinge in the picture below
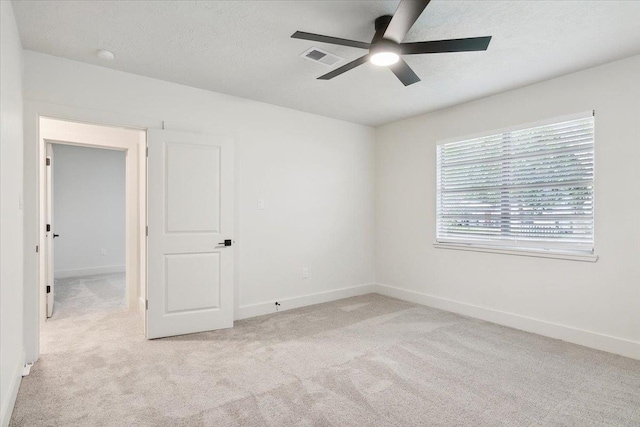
(48, 289)
(37, 248)
(147, 151)
(48, 227)
(146, 304)
(48, 161)
(147, 231)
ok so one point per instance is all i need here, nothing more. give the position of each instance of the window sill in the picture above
(519, 252)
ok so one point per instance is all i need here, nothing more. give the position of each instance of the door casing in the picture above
(133, 143)
(34, 158)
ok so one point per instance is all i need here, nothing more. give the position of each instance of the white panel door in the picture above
(190, 215)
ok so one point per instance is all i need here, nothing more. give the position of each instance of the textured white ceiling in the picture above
(244, 48)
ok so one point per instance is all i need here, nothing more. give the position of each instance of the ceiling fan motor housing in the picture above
(385, 45)
(379, 43)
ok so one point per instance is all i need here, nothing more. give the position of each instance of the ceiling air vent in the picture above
(321, 56)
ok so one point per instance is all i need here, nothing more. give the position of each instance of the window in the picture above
(528, 189)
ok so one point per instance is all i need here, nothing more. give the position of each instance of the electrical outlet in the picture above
(260, 204)
(103, 252)
(305, 273)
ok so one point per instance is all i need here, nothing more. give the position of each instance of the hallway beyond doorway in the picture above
(81, 296)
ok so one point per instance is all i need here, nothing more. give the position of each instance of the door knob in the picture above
(55, 235)
(226, 243)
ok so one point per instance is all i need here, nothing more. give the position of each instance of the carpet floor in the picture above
(79, 296)
(362, 361)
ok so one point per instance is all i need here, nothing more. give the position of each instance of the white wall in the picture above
(11, 242)
(595, 304)
(315, 174)
(88, 210)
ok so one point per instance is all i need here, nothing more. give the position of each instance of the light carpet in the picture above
(79, 296)
(362, 361)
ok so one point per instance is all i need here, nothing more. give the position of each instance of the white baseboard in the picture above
(583, 337)
(79, 272)
(253, 310)
(9, 400)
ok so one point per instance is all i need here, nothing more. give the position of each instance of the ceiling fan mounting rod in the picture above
(382, 22)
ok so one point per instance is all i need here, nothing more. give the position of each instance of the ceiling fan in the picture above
(386, 46)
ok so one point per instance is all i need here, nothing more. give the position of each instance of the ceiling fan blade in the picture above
(453, 45)
(404, 73)
(327, 39)
(406, 15)
(346, 67)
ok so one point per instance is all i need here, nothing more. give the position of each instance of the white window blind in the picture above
(524, 189)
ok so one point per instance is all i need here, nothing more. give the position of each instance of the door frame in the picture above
(62, 132)
(49, 234)
(35, 160)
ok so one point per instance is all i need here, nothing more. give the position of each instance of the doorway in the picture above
(93, 195)
(86, 210)
(185, 216)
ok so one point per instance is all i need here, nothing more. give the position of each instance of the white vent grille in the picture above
(321, 57)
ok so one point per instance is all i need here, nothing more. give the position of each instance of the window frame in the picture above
(536, 249)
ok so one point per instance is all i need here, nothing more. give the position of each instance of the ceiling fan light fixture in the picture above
(384, 59)
(384, 53)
